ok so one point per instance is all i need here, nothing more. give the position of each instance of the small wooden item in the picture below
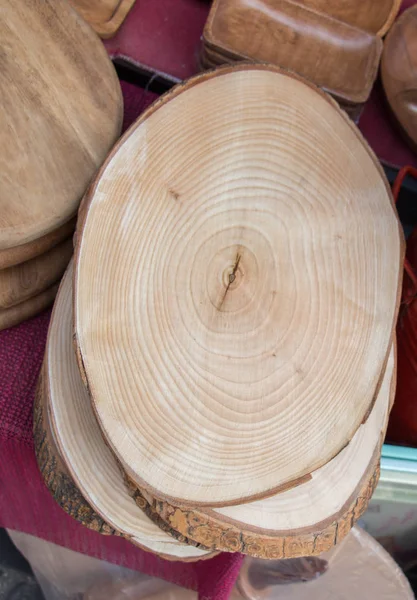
(29, 279)
(61, 113)
(399, 73)
(9, 317)
(359, 569)
(250, 263)
(338, 57)
(78, 467)
(104, 16)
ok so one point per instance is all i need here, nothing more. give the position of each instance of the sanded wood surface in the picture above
(104, 16)
(29, 279)
(25, 252)
(9, 317)
(234, 315)
(301, 521)
(61, 113)
(399, 73)
(83, 454)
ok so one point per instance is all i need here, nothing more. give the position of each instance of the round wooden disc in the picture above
(359, 569)
(250, 260)
(80, 445)
(29, 279)
(25, 252)
(9, 317)
(61, 113)
(304, 520)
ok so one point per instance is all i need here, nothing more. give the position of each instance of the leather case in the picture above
(340, 58)
(373, 16)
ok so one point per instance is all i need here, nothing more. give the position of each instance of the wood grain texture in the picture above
(84, 456)
(399, 73)
(31, 278)
(26, 252)
(202, 307)
(341, 59)
(304, 514)
(61, 113)
(9, 317)
(104, 16)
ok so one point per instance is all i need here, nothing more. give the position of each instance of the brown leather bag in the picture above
(340, 58)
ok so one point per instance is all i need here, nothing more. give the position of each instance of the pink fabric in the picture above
(25, 502)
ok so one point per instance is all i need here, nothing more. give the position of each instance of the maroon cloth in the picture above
(25, 502)
(162, 35)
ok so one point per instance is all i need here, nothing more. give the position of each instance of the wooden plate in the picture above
(29, 279)
(303, 521)
(9, 317)
(25, 252)
(399, 73)
(61, 113)
(234, 341)
(84, 461)
(104, 16)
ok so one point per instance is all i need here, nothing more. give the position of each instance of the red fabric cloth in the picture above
(25, 502)
(163, 35)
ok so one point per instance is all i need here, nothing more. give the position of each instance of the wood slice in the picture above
(25, 252)
(359, 569)
(303, 521)
(399, 73)
(104, 16)
(81, 454)
(61, 113)
(29, 279)
(250, 268)
(9, 317)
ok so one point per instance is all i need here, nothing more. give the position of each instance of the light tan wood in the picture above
(303, 521)
(104, 16)
(61, 113)
(358, 569)
(29, 279)
(83, 456)
(25, 252)
(250, 267)
(9, 317)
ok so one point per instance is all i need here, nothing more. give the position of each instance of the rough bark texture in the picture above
(55, 475)
(213, 533)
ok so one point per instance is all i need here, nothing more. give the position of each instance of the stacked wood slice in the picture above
(335, 45)
(61, 113)
(236, 284)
